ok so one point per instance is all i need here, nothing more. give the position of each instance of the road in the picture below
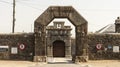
(99, 63)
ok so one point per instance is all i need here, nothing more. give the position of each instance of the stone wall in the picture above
(13, 41)
(107, 41)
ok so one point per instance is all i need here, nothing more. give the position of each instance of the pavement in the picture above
(60, 62)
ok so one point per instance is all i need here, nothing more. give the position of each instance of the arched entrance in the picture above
(58, 48)
(76, 19)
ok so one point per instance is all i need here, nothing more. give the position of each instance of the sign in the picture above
(14, 50)
(115, 49)
(99, 46)
(109, 46)
(3, 48)
(21, 46)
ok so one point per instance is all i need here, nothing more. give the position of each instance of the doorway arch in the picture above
(58, 48)
(61, 12)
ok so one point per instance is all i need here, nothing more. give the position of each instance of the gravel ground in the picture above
(100, 63)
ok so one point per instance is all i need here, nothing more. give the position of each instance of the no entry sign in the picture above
(22, 46)
(99, 46)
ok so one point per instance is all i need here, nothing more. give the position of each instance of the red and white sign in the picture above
(21, 46)
(99, 46)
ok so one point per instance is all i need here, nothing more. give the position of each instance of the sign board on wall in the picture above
(115, 49)
(14, 50)
(4, 48)
(99, 46)
(21, 46)
(109, 46)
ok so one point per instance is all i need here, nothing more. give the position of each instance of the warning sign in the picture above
(115, 49)
(22, 46)
(99, 46)
(14, 50)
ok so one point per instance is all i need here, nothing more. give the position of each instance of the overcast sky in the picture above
(98, 13)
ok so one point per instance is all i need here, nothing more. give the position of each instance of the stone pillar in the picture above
(81, 44)
(67, 51)
(49, 51)
(49, 47)
(68, 48)
(40, 44)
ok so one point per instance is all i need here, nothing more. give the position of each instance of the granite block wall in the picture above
(10, 46)
(107, 49)
(8, 43)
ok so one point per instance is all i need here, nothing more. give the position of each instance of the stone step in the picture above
(55, 59)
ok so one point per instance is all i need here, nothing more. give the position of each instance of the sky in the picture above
(98, 13)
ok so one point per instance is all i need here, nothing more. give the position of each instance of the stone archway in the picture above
(60, 12)
(58, 48)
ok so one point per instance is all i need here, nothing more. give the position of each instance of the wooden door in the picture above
(58, 49)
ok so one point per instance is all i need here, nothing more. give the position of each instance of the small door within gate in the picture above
(58, 49)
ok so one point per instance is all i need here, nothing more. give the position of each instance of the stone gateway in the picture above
(40, 33)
